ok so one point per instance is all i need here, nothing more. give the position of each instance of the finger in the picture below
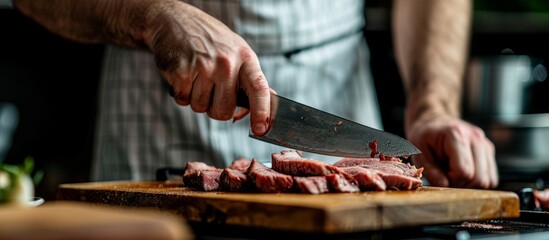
(226, 87)
(240, 113)
(481, 177)
(201, 94)
(256, 87)
(432, 170)
(460, 159)
(181, 84)
(493, 168)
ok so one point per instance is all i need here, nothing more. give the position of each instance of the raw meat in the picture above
(400, 182)
(191, 166)
(390, 167)
(240, 164)
(291, 163)
(395, 173)
(338, 183)
(269, 180)
(313, 185)
(205, 180)
(368, 179)
(234, 181)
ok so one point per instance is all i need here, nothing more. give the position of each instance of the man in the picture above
(311, 51)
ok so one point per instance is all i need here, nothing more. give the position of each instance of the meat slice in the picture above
(313, 185)
(368, 179)
(290, 162)
(192, 166)
(235, 181)
(338, 183)
(205, 180)
(268, 180)
(240, 164)
(389, 167)
(399, 182)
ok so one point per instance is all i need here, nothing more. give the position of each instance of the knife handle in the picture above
(241, 97)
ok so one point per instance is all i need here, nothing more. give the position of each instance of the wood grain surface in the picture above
(71, 220)
(326, 213)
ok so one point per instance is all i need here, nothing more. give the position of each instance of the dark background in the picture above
(53, 82)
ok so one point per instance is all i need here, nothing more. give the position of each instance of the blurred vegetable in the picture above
(16, 184)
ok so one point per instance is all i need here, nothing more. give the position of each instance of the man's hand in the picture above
(454, 153)
(206, 63)
(201, 58)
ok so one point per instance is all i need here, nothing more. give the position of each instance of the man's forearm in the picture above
(104, 21)
(431, 40)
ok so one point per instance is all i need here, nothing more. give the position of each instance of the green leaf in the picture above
(37, 178)
(28, 165)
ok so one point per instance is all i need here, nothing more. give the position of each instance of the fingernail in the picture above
(260, 128)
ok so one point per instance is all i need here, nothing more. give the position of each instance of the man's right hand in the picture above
(201, 58)
(206, 63)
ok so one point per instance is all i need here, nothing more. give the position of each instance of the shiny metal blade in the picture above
(301, 127)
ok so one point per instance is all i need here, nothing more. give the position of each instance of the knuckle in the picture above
(259, 83)
(224, 65)
(246, 53)
(181, 98)
(477, 132)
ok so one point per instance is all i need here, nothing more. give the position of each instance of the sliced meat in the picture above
(400, 182)
(338, 183)
(349, 162)
(389, 167)
(268, 180)
(368, 179)
(240, 164)
(313, 185)
(205, 180)
(192, 166)
(389, 158)
(290, 162)
(235, 181)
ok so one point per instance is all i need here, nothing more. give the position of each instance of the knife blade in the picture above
(301, 127)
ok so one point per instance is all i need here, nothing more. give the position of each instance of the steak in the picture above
(192, 166)
(313, 185)
(389, 167)
(232, 180)
(338, 183)
(400, 182)
(205, 180)
(395, 173)
(240, 164)
(291, 163)
(368, 179)
(268, 180)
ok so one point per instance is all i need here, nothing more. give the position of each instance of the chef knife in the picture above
(298, 126)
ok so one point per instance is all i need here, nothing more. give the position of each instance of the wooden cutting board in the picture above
(325, 213)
